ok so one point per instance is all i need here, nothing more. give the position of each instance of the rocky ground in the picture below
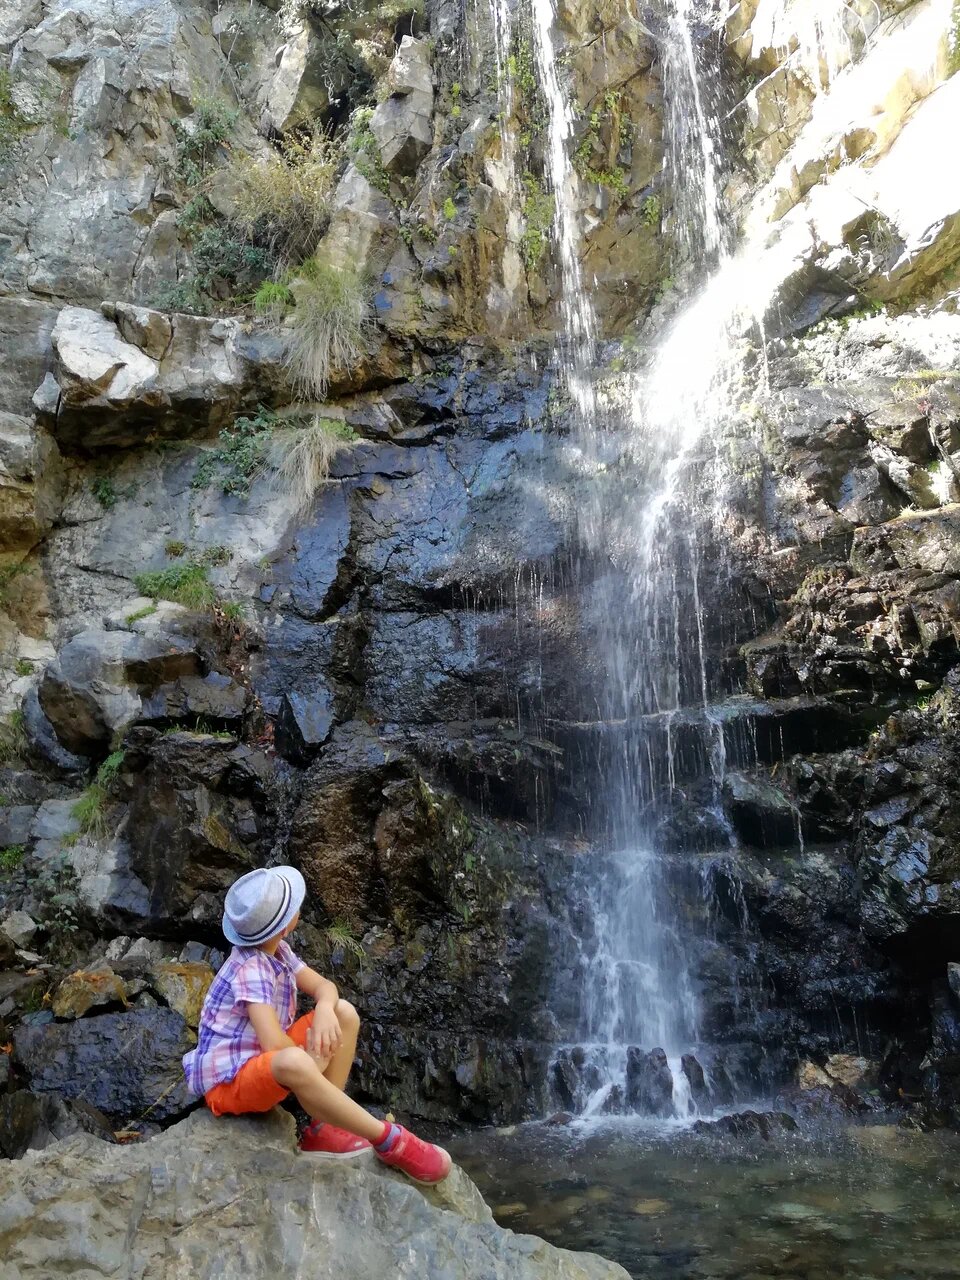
(221, 1197)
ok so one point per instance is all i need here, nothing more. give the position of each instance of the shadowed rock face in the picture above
(274, 1209)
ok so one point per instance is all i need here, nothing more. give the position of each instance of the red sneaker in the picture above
(330, 1143)
(419, 1160)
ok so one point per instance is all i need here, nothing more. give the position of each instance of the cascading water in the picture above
(638, 993)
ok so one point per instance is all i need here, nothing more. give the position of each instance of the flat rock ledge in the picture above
(232, 1198)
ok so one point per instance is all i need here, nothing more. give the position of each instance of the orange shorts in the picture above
(253, 1088)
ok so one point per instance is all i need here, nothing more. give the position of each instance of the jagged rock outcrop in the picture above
(275, 1209)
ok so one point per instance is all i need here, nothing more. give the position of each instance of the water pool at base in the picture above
(874, 1203)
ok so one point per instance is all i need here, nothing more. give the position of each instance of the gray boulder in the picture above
(148, 1210)
(94, 687)
(125, 1064)
(126, 374)
(402, 125)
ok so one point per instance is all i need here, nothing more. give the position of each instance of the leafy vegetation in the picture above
(241, 454)
(23, 667)
(538, 213)
(11, 857)
(449, 209)
(650, 211)
(604, 135)
(9, 575)
(13, 123)
(57, 887)
(202, 138)
(185, 583)
(363, 150)
(329, 324)
(104, 492)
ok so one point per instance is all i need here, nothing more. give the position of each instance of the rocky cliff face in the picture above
(389, 680)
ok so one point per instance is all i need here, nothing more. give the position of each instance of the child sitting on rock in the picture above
(251, 1053)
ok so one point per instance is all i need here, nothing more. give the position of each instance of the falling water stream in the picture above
(636, 980)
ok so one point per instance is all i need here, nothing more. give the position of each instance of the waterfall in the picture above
(657, 486)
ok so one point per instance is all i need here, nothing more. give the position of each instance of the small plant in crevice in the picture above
(104, 492)
(8, 577)
(273, 300)
(364, 150)
(301, 456)
(13, 737)
(139, 614)
(538, 213)
(185, 583)
(650, 211)
(13, 123)
(58, 889)
(343, 940)
(23, 667)
(90, 810)
(11, 857)
(329, 325)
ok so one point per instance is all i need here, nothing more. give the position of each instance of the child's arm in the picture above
(326, 1030)
(267, 1026)
(321, 989)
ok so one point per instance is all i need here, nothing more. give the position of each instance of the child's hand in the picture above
(324, 1036)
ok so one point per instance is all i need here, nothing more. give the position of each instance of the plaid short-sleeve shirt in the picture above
(226, 1038)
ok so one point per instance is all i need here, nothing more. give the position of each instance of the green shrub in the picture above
(284, 202)
(104, 492)
(301, 456)
(538, 213)
(184, 584)
(449, 209)
(201, 138)
(240, 456)
(330, 323)
(175, 549)
(12, 856)
(363, 149)
(23, 667)
(650, 211)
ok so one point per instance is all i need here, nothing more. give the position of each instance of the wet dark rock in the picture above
(748, 1124)
(759, 812)
(823, 1104)
(304, 724)
(699, 1089)
(214, 698)
(649, 1084)
(31, 1122)
(199, 816)
(125, 1064)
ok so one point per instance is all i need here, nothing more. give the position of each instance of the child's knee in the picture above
(347, 1016)
(292, 1067)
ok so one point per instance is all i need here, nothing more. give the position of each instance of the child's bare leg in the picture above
(338, 1068)
(319, 1097)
